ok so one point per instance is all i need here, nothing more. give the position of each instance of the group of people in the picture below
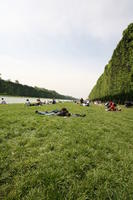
(39, 102)
(111, 106)
(64, 112)
(84, 102)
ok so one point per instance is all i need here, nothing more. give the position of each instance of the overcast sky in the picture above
(61, 45)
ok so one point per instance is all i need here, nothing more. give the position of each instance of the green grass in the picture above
(49, 157)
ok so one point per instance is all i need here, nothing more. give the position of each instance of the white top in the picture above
(3, 102)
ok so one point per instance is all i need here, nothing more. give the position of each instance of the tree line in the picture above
(8, 87)
(116, 83)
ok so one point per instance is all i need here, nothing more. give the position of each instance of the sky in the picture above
(60, 45)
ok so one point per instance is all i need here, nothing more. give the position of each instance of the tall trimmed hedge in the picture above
(116, 83)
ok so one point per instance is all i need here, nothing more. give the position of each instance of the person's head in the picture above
(65, 112)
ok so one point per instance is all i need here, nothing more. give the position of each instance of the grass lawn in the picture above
(50, 157)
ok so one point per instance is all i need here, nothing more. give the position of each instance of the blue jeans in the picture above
(53, 112)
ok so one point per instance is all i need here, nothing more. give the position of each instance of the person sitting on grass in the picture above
(63, 112)
(86, 103)
(27, 103)
(3, 101)
(39, 103)
(112, 106)
(53, 101)
(81, 101)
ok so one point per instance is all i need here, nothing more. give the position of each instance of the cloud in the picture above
(60, 17)
(64, 43)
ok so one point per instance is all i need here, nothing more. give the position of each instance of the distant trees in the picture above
(17, 89)
(116, 82)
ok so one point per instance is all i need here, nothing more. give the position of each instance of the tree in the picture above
(16, 81)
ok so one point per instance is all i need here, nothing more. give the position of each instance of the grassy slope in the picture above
(65, 158)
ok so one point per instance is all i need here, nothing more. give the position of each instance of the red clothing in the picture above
(112, 106)
(110, 103)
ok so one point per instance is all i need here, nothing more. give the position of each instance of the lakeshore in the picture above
(18, 99)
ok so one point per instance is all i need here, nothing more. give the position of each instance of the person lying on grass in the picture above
(63, 112)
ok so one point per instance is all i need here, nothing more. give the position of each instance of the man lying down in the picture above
(63, 112)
